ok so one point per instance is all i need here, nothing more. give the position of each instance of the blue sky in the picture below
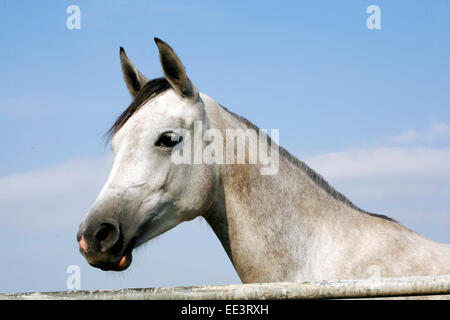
(368, 109)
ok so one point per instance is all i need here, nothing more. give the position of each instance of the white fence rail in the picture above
(341, 289)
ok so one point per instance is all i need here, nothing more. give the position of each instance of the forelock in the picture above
(151, 89)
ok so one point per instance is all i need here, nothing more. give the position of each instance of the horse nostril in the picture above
(83, 244)
(107, 236)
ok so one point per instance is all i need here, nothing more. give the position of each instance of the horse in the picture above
(290, 225)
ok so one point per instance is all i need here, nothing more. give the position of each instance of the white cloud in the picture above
(386, 172)
(384, 161)
(411, 185)
(437, 132)
(56, 197)
(409, 137)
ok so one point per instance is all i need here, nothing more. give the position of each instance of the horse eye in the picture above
(168, 140)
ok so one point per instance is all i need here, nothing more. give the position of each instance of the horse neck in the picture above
(267, 223)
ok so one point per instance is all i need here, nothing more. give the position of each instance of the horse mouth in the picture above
(119, 256)
(121, 265)
(118, 262)
(127, 257)
(124, 262)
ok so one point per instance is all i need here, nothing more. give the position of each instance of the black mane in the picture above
(150, 90)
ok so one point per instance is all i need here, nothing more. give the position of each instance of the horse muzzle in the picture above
(104, 246)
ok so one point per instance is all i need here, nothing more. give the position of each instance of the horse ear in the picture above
(175, 73)
(133, 78)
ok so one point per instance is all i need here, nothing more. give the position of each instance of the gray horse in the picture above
(287, 226)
